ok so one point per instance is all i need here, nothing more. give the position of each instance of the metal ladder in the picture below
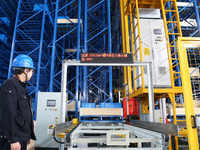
(172, 31)
(136, 42)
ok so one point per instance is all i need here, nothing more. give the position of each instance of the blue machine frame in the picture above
(31, 27)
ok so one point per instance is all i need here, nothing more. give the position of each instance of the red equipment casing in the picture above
(133, 105)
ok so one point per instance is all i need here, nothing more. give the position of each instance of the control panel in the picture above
(48, 110)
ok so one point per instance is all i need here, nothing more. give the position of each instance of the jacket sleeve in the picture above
(8, 111)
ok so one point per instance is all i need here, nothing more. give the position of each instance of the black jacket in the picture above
(16, 122)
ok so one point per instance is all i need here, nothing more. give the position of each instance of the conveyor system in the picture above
(105, 135)
(91, 135)
(117, 136)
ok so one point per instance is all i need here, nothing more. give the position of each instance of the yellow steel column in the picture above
(168, 44)
(170, 144)
(132, 11)
(127, 34)
(123, 25)
(129, 80)
(187, 93)
(172, 98)
(140, 43)
(122, 12)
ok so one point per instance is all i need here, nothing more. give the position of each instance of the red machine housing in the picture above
(133, 105)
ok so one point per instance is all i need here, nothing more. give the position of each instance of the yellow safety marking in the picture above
(146, 51)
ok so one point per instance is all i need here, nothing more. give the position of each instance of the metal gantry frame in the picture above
(31, 37)
(64, 91)
(50, 15)
(66, 38)
(182, 45)
(172, 31)
(51, 32)
(97, 39)
(131, 10)
(32, 27)
(66, 44)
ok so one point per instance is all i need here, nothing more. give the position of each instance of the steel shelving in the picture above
(31, 36)
(189, 17)
(8, 11)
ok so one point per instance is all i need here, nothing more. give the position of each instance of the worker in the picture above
(16, 123)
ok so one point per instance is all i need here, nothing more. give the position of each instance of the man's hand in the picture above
(15, 146)
(28, 142)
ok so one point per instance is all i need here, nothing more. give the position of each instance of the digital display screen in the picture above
(157, 31)
(51, 103)
(106, 58)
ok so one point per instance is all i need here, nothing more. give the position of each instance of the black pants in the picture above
(4, 145)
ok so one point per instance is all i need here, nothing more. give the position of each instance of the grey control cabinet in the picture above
(154, 50)
(48, 108)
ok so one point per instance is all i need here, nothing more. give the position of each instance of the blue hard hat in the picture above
(23, 61)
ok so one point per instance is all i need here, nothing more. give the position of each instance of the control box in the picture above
(48, 109)
(154, 50)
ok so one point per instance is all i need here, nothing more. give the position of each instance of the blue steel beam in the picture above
(40, 56)
(190, 12)
(68, 36)
(110, 51)
(96, 31)
(85, 90)
(197, 15)
(78, 57)
(64, 38)
(54, 47)
(14, 38)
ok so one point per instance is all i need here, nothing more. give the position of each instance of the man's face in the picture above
(29, 74)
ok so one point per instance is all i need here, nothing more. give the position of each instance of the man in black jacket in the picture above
(16, 123)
